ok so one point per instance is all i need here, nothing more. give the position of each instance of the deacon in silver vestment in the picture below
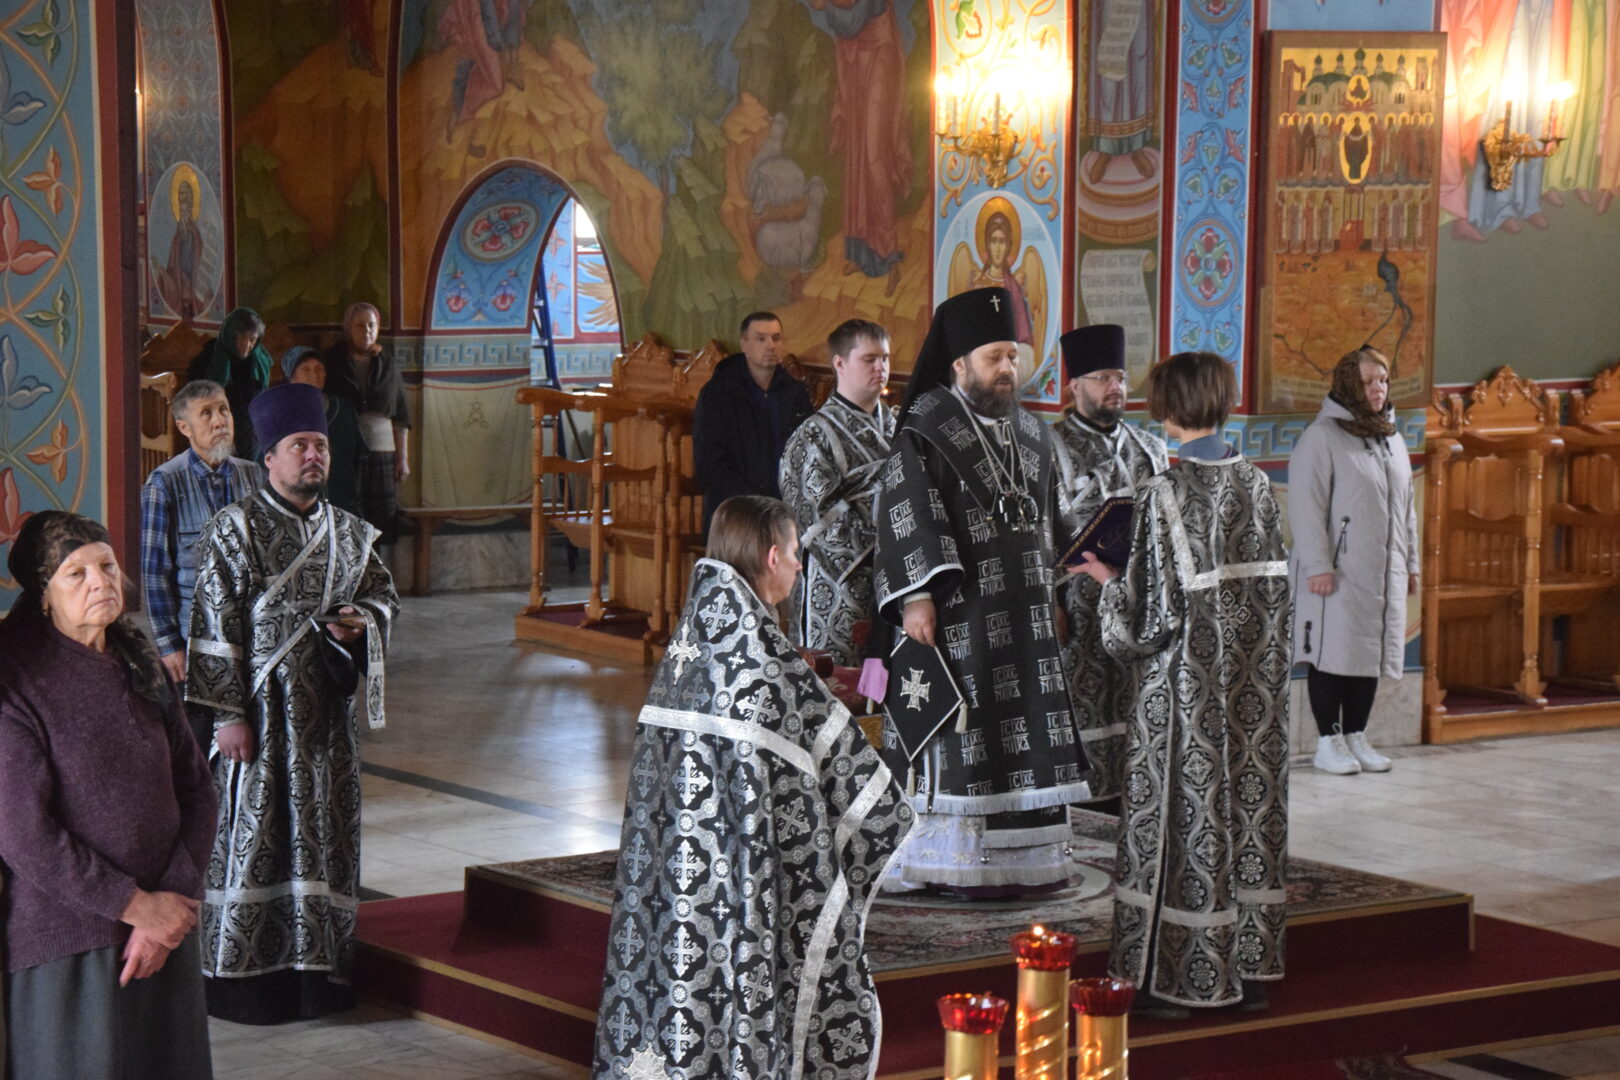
(968, 525)
(1100, 457)
(1201, 612)
(830, 476)
(283, 692)
(757, 825)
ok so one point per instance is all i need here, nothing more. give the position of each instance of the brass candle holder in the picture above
(1044, 957)
(972, 1025)
(1101, 1007)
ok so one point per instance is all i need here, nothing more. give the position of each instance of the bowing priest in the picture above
(1201, 612)
(1100, 457)
(757, 825)
(289, 622)
(829, 479)
(968, 526)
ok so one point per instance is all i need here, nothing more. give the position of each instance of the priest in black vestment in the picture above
(968, 521)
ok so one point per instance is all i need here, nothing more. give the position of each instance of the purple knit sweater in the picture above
(100, 791)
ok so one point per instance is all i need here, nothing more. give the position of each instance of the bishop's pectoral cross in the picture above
(995, 301)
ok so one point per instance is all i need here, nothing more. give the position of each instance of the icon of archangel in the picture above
(998, 235)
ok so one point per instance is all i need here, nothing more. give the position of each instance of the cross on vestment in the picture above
(636, 857)
(679, 1035)
(758, 705)
(622, 1027)
(690, 781)
(914, 689)
(685, 866)
(684, 650)
(717, 615)
(995, 302)
(629, 942)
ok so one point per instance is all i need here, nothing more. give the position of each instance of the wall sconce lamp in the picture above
(991, 117)
(1505, 148)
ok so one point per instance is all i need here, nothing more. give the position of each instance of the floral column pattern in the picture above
(50, 374)
(1209, 259)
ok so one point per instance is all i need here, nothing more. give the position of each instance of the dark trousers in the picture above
(1340, 703)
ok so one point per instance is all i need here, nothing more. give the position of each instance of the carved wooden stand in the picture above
(1520, 532)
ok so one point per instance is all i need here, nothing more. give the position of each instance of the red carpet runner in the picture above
(525, 964)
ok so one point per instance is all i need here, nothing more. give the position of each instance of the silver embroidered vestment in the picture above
(1093, 467)
(757, 824)
(829, 478)
(994, 789)
(283, 880)
(1201, 612)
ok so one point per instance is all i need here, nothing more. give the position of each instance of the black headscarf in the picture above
(961, 324)
(46, 540)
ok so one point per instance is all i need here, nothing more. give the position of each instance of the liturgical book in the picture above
(1107, 535)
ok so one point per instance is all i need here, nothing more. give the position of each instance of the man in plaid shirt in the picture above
(177, 501)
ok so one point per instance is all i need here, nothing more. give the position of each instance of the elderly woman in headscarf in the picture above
(1355, 559)
(240, 363)
(106, 820)
(360, 369)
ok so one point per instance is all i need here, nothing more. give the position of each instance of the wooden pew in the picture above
(1482, 567)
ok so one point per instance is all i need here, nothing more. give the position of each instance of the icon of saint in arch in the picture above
(998, 235)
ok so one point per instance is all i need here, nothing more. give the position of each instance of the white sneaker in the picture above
(1332, 755)
(1371, 760)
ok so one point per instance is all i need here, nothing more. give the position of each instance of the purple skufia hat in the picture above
(286, 409)
(1093, 348)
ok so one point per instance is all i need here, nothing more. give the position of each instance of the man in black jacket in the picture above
(744, 417)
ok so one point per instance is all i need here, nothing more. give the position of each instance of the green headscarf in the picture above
(240, 321)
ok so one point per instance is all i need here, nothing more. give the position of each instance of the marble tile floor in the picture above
(497, 751)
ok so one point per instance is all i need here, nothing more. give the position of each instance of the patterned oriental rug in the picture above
(916, 930)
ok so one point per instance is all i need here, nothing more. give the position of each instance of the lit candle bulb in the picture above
(972, 1023)
(1044, 957)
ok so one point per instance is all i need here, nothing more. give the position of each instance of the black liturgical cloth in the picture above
(922, 696)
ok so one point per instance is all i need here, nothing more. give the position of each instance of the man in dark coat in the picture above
(744, 417)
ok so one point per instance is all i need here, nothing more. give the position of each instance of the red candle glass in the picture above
(1101, 996)
(1043, 949)
(972, 1014)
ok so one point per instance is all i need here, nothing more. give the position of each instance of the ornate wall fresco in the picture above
(311, 169)
(1120, 172)
(183, 180)
(487, 265)
(1011, 236)
(51, 397)
(478, 349)
(1523, 272)
(1208, 252)
(735, 155)
(1347, 255)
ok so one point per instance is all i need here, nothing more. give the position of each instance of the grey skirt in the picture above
(70, 1020)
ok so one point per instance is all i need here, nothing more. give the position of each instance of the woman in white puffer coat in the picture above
(1355, 557)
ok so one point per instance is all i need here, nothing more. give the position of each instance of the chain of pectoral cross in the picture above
(1014, 504)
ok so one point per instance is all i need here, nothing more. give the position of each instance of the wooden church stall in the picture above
(1518, 550)
(639, 513)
